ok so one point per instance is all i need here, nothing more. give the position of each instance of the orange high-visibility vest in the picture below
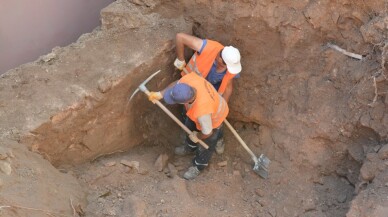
(202, 63)
(207, 101)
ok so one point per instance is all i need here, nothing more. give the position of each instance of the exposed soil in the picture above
(222, 190)
(72, 144)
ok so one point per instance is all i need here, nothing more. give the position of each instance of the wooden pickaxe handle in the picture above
(187, 130)
(144, 89)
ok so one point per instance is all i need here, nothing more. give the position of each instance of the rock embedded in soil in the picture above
(161, 162)
(131, 164)
(262, 202)
(110, 164)
(308, 205)
(172, 171)
(5, 167)
(383, 153)
(3, 154)
(368, 171)
(259, 192)
(104, 85)
(342, 198)
(222, 163)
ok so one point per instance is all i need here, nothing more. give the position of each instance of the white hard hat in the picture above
(232, 57)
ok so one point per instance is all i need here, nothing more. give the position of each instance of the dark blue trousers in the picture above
(202, 155)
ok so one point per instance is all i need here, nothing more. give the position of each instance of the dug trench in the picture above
(73, 145)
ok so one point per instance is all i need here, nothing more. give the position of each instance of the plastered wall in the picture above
(29, 29)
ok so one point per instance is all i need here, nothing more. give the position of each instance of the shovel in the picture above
(261, 163)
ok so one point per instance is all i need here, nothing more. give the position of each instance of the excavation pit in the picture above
(72, 144)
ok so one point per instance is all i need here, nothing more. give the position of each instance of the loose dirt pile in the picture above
(318, 114)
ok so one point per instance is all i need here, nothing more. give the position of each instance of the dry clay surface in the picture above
(136, 183)
(319, 115)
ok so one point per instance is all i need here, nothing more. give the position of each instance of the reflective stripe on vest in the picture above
(221, 109)
(194, 68)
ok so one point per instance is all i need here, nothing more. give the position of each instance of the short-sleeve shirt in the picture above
(214, 77)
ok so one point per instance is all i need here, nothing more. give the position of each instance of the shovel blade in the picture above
(261, 166)
(261, 171)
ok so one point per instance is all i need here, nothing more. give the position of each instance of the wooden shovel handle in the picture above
(240, 140)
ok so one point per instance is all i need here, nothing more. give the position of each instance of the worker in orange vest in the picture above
(206, 111)
(217, 63)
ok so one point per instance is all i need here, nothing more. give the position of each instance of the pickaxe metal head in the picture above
(142, 86)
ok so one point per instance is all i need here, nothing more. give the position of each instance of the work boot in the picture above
(191, 173)
(220, 146)
(183, 150)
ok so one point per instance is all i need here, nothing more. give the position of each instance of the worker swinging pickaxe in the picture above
(144, 89)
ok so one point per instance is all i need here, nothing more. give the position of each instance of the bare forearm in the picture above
(182, 40)
(180, 46)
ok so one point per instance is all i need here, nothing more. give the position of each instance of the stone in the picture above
(61, 116)
(373, 157)
(272, 212)
(5, 153)
(341, 198)
(376, 148)
(262, 202)
(222, 163)
(259, 192)
(368, 171)
(318, 180)
(161, 162)
(383, 152)
(131, 164)
(5, 167)
(172, 171)
(356, 152)
(110, 164)
(143, 172)
(48, 57)
(10, 154)
(365, 120)
(104, 85)
(238, 126)
(309, 205)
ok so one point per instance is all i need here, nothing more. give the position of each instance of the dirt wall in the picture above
(316, 107)
(71, 106)
(319, 111)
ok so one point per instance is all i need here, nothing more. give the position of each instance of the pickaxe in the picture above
(144, 89)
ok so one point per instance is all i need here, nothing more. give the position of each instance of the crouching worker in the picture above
(206, 111)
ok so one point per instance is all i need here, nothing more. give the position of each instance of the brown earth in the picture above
(72, 144)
